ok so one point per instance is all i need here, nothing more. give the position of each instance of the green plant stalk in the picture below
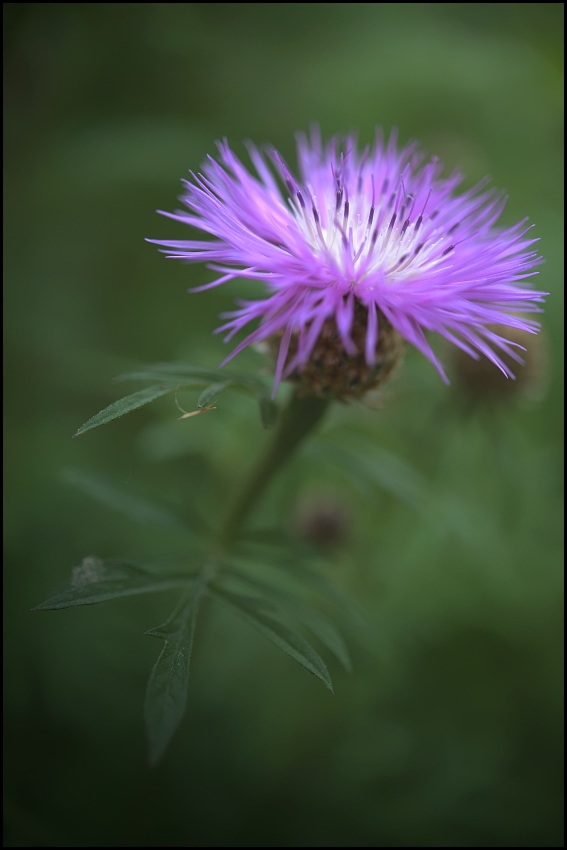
(296, 422)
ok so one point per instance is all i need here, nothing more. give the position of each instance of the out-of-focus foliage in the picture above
(448, 732)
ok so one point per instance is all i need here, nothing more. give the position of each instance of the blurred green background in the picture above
(449, 732)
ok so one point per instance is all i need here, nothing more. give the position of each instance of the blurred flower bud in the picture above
(483, 384)
(322, 521)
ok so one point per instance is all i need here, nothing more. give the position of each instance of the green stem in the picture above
(297, 420)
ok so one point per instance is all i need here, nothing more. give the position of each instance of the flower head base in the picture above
(332, 373)
(377, 237)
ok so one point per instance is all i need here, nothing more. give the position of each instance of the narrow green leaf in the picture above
(327, 633)
(210, 392)
(182, 381)
(318, 624)
(95, 580)
(271, 537)
(135, 508)
(268, 411)
(328, 588)
(125, 405)
(185, 372)
(253, 610)
(369, 465)
(166, 694)
(321, 627)
(294, 560)
(183, 376)
(172, 372)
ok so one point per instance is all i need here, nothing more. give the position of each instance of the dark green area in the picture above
(449, 731)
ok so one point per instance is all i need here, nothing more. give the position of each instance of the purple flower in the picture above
(379, 230)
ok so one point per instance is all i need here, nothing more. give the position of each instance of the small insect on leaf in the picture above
(187, 415)
(196, 412)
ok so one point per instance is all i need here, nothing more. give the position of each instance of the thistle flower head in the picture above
(362, 250)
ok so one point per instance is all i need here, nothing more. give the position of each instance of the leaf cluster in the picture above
(268, 579)
(165, 378)
(277, 609)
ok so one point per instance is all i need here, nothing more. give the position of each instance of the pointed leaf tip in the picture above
(301, 611)
(285, 638)
(126, 405)
(210, 392)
